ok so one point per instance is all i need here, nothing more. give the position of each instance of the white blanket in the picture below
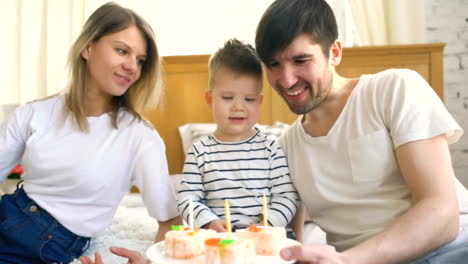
(131, 228)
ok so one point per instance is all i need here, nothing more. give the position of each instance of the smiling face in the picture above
(235, 102)
(302, 74)
(114, 62)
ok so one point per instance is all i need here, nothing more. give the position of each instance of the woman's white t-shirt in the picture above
(80, 177)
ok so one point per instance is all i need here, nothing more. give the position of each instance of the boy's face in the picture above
(235, 102)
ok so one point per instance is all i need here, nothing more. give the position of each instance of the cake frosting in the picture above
(229, 251)
(186, 244)
(268, 240)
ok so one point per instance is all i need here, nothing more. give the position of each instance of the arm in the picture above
(284, 197)
(165, 226)
(152, 178)
(192, 187)
(218, 225)
(14, 132)
(431, 221)
(297, 223)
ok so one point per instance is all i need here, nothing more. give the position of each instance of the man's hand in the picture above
(134, 257)
(219, 225)
(312, 254)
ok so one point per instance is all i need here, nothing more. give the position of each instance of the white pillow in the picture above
(192, 132)
(274, 131)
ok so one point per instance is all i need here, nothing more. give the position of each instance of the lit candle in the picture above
(265, 211)
(191, 215)
(228, 218)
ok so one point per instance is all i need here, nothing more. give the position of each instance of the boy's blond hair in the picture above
(237, 57)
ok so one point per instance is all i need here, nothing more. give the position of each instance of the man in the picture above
(369, 156)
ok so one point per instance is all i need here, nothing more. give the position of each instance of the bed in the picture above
(186, 78)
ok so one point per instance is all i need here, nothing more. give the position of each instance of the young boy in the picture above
(237, 162)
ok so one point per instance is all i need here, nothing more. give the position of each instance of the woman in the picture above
(82, 150)
(134, 257)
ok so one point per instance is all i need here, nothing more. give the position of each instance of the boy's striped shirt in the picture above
(240, 172)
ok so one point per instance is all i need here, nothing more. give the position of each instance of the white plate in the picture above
(155, 253)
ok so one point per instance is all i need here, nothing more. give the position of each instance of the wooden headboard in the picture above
(186, 79)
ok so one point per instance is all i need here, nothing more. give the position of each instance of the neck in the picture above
(97, 105)
(233, 138)
(320, 120)
(336, 98)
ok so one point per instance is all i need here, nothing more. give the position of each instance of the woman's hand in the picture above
(134, 257)
(165, 226)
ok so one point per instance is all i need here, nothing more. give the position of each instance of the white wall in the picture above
(37, 35)
(447, 21)
(187, 27)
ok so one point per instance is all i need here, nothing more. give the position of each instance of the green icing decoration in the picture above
(177, 227)
(226, 241)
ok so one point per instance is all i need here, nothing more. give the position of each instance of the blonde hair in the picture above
(237, 57)
(145, 92)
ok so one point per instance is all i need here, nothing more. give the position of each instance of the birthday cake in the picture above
(229, 251)
(268, 240)
(183, 243)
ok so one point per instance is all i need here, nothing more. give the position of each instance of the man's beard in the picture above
(305, 107)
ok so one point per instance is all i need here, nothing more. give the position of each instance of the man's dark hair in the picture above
(284, 20)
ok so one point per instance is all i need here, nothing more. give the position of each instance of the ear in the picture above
(336, 51)
(261, 98)
(208, 97)
(85, 52)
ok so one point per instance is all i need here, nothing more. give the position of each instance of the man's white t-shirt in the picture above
(349, 180)
(80, 177)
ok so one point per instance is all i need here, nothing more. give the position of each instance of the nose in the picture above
(286, 77)
(131, 65)
(237, 105)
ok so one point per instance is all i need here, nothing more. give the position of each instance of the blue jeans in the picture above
(455, 252)
(28, 234)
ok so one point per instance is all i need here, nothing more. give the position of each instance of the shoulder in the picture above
(42, 110)
(393, 84)
(391, 74)
(139, 128)
(268, 140)
(273, 149)
(204, 144)
(47, 104)
(393, 78)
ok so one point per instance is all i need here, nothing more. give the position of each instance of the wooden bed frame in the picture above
(186, 79)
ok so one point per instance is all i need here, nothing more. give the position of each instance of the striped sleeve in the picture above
(192, 188)
(284, 197)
